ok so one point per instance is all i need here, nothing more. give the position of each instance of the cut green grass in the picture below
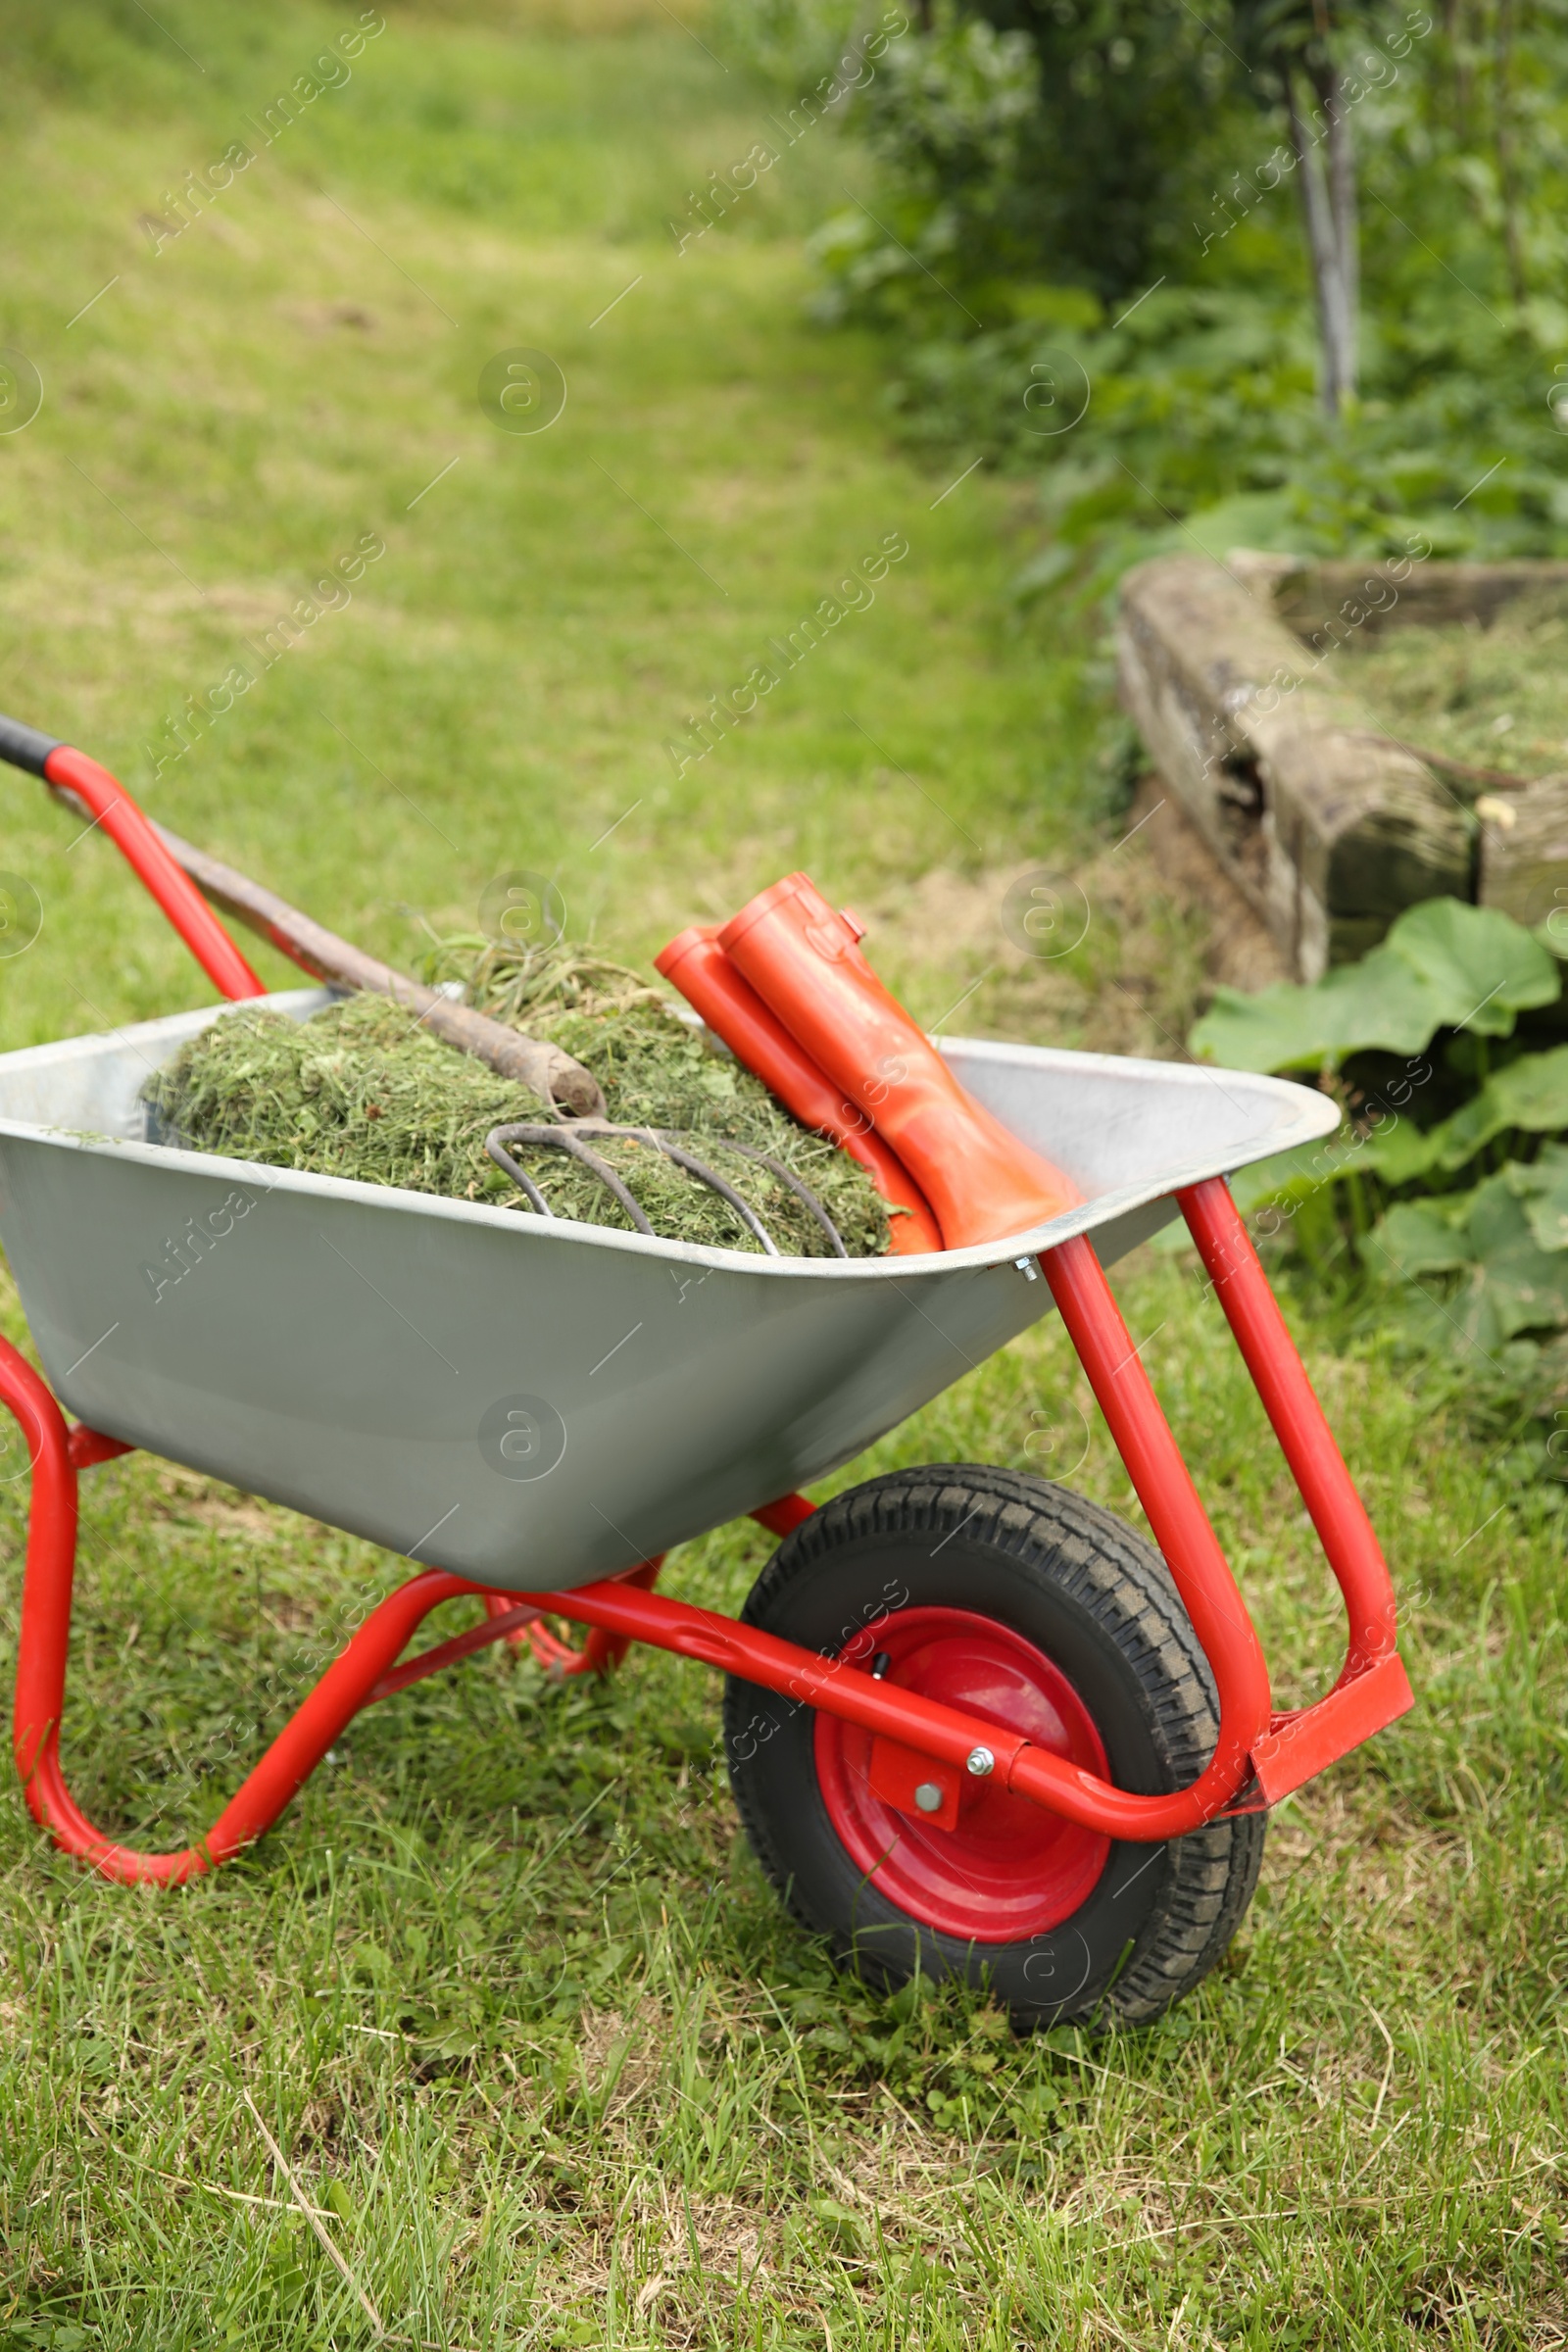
(543, 2055)
(1490, 699)
(355, 1092)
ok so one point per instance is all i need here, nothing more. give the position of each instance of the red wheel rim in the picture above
(1007, 1870)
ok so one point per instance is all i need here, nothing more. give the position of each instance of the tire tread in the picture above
(1118, 1579)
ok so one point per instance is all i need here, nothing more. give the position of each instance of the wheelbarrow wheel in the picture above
(1019, 1599)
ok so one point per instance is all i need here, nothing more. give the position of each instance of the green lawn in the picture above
(533, 2032)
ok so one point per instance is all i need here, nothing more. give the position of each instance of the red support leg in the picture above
(1373, 1688)
(43, 1650)
(1181, 1526)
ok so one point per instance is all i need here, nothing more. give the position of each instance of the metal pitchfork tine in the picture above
(570, 1140)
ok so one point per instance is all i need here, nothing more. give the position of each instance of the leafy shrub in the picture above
(1022, 144)
(791, 44)
(945, 118)
(1198, 413)
(1138, 114)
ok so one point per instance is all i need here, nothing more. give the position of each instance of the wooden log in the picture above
(1327, 826)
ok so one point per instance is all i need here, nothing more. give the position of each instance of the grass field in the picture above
(541, 2049)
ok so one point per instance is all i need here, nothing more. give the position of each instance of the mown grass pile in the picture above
(1493, 697)
(361, 1091)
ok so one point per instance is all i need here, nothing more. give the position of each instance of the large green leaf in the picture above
(1529, 1095)
(1526, 1287)
(1399, 1152)
(1479, 964)
(1420, 1237)
(1443, 965)
(1382, 1000)
(1510, 1284)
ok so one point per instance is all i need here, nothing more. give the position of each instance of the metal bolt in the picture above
(879, 1665)
(928, 1796)
(981, 1761)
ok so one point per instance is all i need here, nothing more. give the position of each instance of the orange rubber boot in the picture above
(804, 962)
(696, 964)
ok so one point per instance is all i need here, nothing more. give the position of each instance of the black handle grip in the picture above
(24, 747)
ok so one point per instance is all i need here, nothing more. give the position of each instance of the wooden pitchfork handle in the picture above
(550, 1073)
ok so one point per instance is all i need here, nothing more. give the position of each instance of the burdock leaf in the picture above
(1420, 1237)
(1400, 1152)
(1528, 1286)
(1443, 965)
(1379, 1002)
(1510, 1284)
(1481, 966)
(1529, 1095)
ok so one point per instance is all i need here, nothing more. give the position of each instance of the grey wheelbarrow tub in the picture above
(530, 1403)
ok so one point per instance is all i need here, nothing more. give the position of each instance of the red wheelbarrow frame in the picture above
(1259, 1755)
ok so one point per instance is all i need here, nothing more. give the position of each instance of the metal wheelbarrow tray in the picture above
(539, 1410)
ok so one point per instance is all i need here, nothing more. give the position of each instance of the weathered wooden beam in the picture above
(1327, 826)
(1524, 854)
(1308, 597)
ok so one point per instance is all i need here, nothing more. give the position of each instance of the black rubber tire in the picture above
(1097, 1599)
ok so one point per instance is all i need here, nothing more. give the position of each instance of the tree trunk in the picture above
(1455, 32)
(1507, 172)
(1328, 207)
(1346, 230)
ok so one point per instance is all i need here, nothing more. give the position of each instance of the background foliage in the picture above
(1100, 199)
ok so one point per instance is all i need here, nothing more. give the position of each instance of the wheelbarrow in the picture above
(974, 1725)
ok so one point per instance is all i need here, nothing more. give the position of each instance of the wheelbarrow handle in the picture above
(108, 803)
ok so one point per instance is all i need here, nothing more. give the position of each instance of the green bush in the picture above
(1023, 146)
(948, 118)
(791, 44)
